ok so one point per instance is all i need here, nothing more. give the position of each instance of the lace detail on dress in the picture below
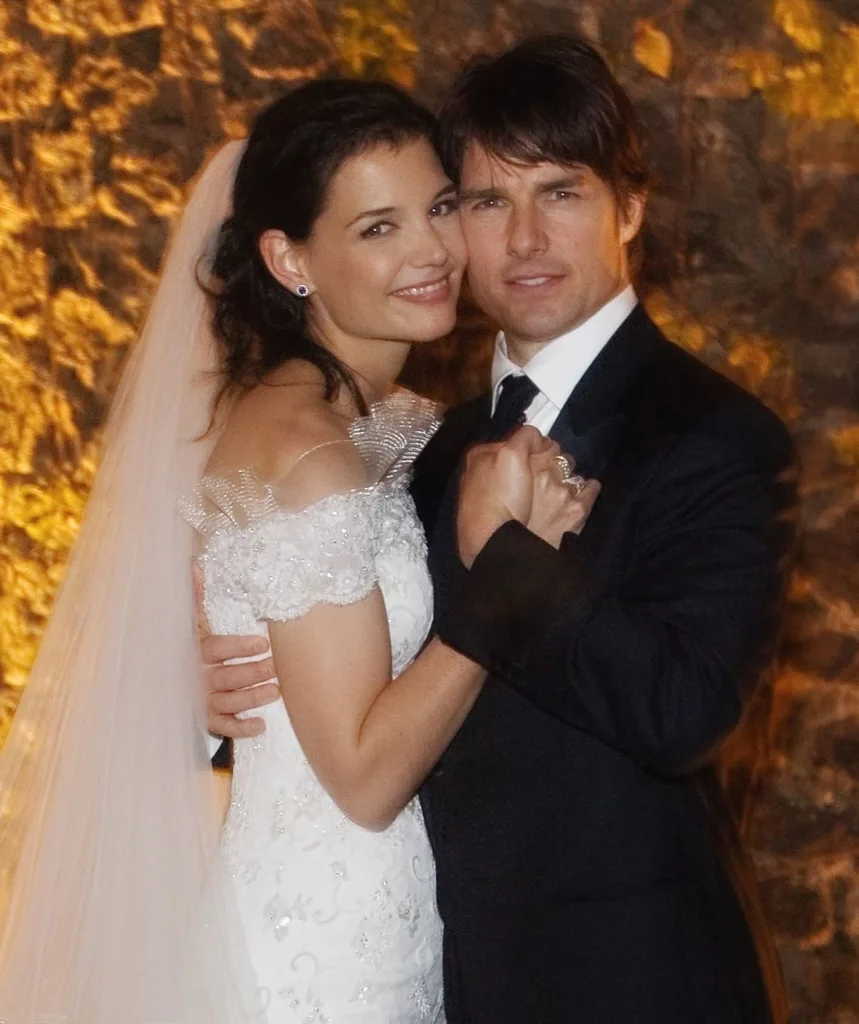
(394, 433)
(234, 499)
(341, 922)
(284, 563)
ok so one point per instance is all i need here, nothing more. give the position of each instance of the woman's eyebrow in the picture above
(382, 211)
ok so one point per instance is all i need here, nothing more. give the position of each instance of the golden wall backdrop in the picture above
(109, 107)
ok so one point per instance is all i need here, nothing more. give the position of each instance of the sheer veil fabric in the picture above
(114, 908)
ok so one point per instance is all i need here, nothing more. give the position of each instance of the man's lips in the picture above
(437, 290)
(533, 280)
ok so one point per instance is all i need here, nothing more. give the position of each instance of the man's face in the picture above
(546, 243)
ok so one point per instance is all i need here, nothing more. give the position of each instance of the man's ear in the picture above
(630, 211)
(285, 261)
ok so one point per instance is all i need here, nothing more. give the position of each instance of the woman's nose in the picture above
(430, 249)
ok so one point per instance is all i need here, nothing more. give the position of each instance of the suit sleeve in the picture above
(658, 665)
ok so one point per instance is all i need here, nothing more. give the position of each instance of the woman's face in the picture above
(386, 255)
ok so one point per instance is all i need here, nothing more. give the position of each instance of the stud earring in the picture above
(302, 291)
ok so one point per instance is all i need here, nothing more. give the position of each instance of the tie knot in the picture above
(516, 394)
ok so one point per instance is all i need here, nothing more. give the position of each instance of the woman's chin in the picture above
(431, 328)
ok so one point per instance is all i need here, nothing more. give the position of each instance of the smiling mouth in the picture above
(535, 281)
(428, 292)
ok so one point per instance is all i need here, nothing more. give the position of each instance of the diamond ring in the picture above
(577, 482)
(570, 478)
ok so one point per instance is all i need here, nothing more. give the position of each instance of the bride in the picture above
(260, 407)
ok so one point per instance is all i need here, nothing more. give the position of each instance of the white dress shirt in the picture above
(559, 366)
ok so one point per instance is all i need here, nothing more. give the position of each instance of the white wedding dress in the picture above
(341, 923)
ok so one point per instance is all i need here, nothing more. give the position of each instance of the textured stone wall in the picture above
(108, 108)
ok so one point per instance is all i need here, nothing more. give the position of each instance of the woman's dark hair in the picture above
(550, 98)
(296, 147)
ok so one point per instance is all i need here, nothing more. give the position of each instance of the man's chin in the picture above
(534, 330)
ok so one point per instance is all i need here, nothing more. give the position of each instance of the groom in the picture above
(585, 871)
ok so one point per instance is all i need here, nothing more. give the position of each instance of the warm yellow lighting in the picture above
(373, 38)
(823, 85)
(846, 444)
(103, 94)
(82, 19)
(651, 47)
(94, 175)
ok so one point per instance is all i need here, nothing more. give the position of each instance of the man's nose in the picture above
(526, 236)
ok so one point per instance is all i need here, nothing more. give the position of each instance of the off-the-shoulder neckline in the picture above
(389, 437)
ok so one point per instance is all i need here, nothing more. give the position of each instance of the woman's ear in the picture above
(285, 262)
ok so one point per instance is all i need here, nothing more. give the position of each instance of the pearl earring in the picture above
(302, 291)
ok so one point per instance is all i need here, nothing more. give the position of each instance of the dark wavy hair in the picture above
(296, 147)
(550, 98)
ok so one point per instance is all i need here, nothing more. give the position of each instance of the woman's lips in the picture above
(428, 292)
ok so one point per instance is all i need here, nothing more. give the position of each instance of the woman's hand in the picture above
(561, 500)
(497, 485)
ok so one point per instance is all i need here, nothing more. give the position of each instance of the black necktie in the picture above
(517, 393)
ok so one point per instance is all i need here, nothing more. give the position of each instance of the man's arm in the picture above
(660, 666)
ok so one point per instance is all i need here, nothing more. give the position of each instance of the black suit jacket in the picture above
(581, 874)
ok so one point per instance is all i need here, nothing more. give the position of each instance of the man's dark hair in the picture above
(551, 98)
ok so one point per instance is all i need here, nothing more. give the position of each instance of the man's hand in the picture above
(497, 485)
(232, 689)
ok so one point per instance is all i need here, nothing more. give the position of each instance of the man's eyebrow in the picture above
(446, 190)
(558, 184)
(469, 195)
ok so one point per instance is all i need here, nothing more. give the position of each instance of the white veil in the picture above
(113, 905)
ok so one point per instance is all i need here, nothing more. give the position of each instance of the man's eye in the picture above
(383, 227)
(487, 204)
(563, 193)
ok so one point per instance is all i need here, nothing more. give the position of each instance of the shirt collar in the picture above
(559, 366)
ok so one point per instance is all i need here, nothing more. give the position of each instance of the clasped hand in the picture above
(517, 479)
(521, 478)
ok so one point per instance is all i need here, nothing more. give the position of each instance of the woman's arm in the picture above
(371, 741)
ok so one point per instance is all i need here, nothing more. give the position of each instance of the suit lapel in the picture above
(590, 427)
(592, 449)
(592, 422)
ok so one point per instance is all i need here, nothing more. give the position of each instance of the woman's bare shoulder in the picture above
(286, 433)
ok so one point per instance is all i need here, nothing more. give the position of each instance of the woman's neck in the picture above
(375, 365)
(374, 378)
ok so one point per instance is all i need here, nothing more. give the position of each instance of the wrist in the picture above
(478, 536)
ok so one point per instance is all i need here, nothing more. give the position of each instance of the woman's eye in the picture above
(445, 207)
(378, 230)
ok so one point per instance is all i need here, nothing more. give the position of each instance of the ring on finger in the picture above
(566, 468)
(577, 482)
